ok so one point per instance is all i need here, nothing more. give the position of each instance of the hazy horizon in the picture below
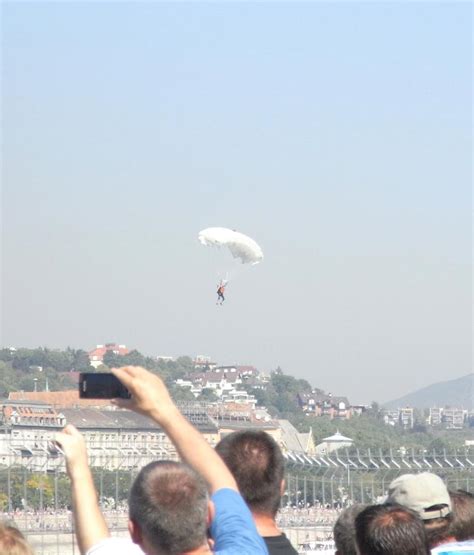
(337, 135)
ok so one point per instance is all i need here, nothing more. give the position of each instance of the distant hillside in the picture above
(456, 393)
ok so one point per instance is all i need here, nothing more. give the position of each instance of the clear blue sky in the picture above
(338, 135)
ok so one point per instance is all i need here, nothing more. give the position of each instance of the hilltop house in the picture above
(96, 356)
(318, 403)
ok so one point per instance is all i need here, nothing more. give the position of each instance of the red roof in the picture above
(99, 352)
(69, 398)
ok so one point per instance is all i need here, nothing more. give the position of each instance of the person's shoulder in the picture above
(466, 547)
(233, 528)
(279, 545)
(115, 546)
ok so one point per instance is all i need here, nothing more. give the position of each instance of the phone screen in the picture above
(101, 386)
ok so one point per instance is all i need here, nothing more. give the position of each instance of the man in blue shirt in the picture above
(169, 508)
(258, 466)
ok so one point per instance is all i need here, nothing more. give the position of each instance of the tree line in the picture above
(25, 369)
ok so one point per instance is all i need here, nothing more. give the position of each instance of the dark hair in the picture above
(169, 501)
(344, 530)
(257, 464)
(462, 527)
(12, 541)
(438, 530)
(390, 529)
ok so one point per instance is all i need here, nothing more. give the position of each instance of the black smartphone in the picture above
(101, 386)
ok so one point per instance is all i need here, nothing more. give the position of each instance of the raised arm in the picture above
(89, 522)
(151, 398)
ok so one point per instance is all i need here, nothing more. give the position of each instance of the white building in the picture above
(333, 443)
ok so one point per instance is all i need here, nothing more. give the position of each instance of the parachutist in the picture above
(240, 246)
(220, 292)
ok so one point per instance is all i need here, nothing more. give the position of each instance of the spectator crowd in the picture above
(227, 500)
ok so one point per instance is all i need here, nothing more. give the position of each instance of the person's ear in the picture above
(282, 487)
(135, 532)
(211, 513)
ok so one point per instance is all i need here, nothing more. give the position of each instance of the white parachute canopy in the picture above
(240, 245)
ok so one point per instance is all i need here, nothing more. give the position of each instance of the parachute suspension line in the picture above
(222, 277)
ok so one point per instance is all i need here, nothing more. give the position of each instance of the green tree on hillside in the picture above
(80, 361)
(280, 394)
(208, 395)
